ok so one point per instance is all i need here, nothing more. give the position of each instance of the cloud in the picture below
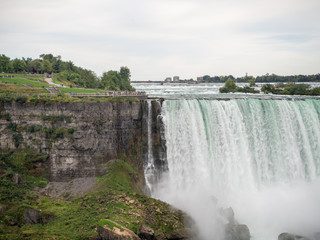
(156, 39)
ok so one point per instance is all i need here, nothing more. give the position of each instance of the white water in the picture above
(149, 165)
(261, 157)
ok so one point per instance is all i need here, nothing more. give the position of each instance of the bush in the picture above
(7, 117)
(17, 139)
(12, 126)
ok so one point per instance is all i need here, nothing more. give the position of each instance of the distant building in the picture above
(176, 78)
(168, 79)
(199, 79)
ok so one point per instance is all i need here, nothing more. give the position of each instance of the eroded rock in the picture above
(106, 233)
(289, 236)
(228, 214)
(31, 216)
(146, 232)
(237, 232)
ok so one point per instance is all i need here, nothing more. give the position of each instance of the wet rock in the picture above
(146, 232)
(31, 216)
(105, 233)
(179, 234)
(228, 214)
(289, 236)
(160, 236)
(237, 232)
(316, 236)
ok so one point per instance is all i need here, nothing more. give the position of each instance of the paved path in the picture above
(49, 80)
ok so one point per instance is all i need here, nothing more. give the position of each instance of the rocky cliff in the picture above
(73, 144)
(79, 138)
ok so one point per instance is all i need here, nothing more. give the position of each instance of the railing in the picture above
(110, 94)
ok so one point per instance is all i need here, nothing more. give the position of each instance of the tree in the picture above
(125, 78)
(229, 86)
(115, 80)
(35, 66)
(111, 80)
(5, 64)
(46, 66)
(19, 65)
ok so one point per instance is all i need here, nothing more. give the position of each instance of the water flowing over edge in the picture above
(258, 156)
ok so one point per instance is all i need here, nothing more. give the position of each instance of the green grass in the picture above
(110, 224)
(51, 99)
(19, 161)
(65, 82)
(114, 198)
(22, 75)
(81, 90)
(19, 81)
(9, 88)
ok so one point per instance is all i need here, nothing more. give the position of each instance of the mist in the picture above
(259, 157)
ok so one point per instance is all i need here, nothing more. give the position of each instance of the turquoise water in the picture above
(261, 157)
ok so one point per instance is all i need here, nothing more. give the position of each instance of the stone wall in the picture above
(80, 138)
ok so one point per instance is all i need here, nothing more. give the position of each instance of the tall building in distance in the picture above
(176, 78)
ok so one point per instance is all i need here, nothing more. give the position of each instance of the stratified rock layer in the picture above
(94, 133)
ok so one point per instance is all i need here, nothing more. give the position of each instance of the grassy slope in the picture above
(114, 197)
(21, 81)
(80, 90)
(9, 88)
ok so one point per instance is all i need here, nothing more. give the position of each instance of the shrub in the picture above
(17, 139)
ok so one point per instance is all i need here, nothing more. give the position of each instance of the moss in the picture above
(56, 133)
(7, 117)
(115, 198)
(109, 224)
(24, 162)
(12, 126)
(17, 139)
(55, 118)
(48, 99)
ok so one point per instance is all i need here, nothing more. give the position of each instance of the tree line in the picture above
(67, 71)
(279, 88)
(264, 78)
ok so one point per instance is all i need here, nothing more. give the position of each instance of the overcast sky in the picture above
(162, 38)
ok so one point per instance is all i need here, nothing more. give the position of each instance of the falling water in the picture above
(149, 164)
(261, 157)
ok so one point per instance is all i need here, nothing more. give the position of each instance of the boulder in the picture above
(228, 214)
(289, 236)
(237, 232)
(179, 234)
(31, 216)
(105, 233)
(146, 232)
(317, 236)
(160, 236)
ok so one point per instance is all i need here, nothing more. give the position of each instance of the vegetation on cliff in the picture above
(114, 197)
(50, 99)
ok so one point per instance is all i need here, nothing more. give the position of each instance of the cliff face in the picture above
(80, 138)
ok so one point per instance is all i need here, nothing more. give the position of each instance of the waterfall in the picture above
(261, 157)
(149, 163)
